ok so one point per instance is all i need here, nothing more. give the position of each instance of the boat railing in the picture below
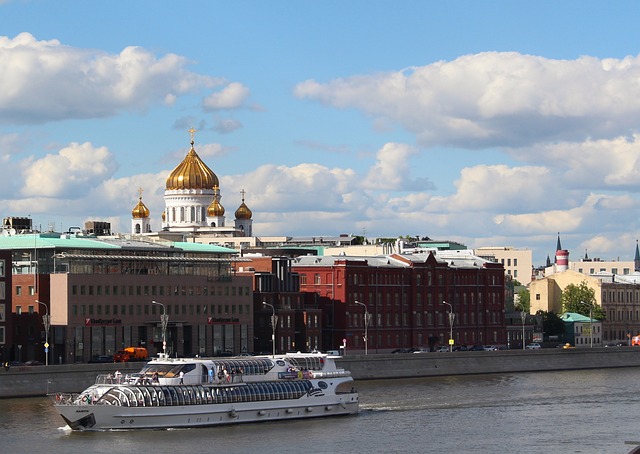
(111, 379)
(333, 374)
(306, 375)
(63, 398)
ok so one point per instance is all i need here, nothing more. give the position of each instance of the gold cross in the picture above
(140, 193)
(192, 132)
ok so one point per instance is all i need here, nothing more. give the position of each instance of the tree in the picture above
(552, 325)
(581, 299)
(524, 300)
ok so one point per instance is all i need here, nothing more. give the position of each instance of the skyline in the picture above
(488, 123)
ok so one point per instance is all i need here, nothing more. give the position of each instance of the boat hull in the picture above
(109, 417)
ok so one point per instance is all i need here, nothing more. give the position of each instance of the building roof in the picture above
(454, 259)
(573, 317)
(52, 241)
(58, 241)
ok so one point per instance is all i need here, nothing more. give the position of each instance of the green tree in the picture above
(552, 325)
(581, 299)
(523, 301)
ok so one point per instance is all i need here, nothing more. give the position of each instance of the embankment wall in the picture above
(41, 380)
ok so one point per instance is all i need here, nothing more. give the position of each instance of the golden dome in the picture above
(215, 209)
(192, 173)
(140, 210)
(243, 211)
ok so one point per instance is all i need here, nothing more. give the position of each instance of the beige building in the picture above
(546, 293)
(518, 263)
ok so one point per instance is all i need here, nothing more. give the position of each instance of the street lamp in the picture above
(523, 314)
(452, 317)
(164, 321)
(274, 321)
(590, 320)
(367, 317)
(46, 319)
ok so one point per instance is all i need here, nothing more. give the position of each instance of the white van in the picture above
(333, 353)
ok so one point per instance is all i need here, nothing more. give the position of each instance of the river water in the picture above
(593, 411)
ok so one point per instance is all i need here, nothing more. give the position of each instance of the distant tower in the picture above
(562, 257)
(140, 222)
(636, 260)
(243, 217)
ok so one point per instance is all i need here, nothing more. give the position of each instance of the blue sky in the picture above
(492, 123)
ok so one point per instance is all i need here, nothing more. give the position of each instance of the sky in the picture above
(490, 123)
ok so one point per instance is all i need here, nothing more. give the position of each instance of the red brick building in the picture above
(404, 296)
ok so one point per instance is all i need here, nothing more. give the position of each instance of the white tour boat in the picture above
(180, 392)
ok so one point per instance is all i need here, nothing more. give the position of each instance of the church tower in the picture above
(243, 218)
(189, 190)
(140, 222)
(215, 212)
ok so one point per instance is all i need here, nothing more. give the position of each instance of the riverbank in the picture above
(41, 380)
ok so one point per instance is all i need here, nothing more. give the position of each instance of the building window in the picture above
(537, 297)
(18, 290)
(2, 275)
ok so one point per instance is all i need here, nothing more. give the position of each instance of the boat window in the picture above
(177, 397)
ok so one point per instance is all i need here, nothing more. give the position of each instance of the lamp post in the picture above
(367, 317)
(452, 317)
(523, 314)
(46, 319)
(164, 321)
(274, 321)
(590, 320)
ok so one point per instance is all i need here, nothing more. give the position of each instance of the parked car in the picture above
(534, 346)
(616, 344)
(490, 348)
(101, 359)
(422, 350)
(476, 348)
(443, 348)
(33, 362)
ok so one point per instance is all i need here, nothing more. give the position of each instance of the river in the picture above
(587, 411)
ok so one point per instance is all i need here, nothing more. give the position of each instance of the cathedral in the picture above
(192, 204)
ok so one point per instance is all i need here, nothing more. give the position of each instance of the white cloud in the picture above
(596, 164)
(46, 81)
(305, 187)
(499, 187)
(72, 172)
(226, 125)
(392, 170)
(496, 99)
(230, 97)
